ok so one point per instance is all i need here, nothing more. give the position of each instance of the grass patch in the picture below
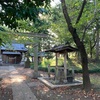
(93, 65)
(95, 80)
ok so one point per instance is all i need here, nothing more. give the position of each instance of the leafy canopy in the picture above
(13, 10)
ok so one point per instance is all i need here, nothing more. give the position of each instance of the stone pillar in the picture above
(35, 73)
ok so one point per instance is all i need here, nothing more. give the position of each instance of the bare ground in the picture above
(5, 89)
(42, 92)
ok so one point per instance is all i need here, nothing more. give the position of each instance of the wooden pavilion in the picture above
(62, 49)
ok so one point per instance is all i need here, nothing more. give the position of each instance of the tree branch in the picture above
(81, 11)
(95, 40)
(66, 15)
(86, 27)
(71, 29)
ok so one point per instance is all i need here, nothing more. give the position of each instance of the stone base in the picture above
(35, 75)
(52, 85)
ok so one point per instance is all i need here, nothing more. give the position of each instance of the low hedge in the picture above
(90, 71)
(45, 69)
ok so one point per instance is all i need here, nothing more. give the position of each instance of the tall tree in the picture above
(98, 41)
(79, 43)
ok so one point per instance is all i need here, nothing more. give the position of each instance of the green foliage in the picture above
(45, 62)
(59, 26)
(86, 27)
(43, 69)
(40, 26)
(72, 63)
(4, 36)
(32, 65)
(14, 10)
(94, 70)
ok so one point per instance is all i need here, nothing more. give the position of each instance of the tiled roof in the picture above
(62, 48)
(11, 53)
(14, 46)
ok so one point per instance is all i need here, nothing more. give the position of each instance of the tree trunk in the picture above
(97, 44)
(84, 60)
(90, 50)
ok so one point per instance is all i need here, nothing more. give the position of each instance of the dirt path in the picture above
(6, 89)
(13, 86)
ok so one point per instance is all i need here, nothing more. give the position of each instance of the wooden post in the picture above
(35, 74)
(49, 70)
(56, 76)
(73, 73)
(65, 66)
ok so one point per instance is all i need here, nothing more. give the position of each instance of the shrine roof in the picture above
(62, 49)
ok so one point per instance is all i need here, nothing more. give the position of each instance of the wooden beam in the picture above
(65, 65)
(39, 35)
(56, 76)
